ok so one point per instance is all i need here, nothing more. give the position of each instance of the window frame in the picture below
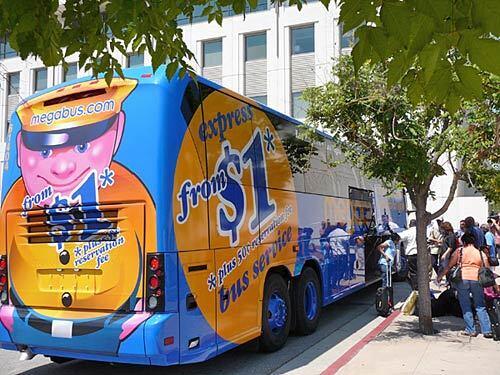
(36, 71)
(254, 98)
(256, 34)
(9, 85)
(292, 39)
(293, 103)
(203, 48)
(134, 54)
(65, 73)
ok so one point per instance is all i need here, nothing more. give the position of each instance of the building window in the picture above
(212, 53)
(261, 5)
(71, 73)
(303, 40)
(262, 99)
(135, 59)
(347, 40)
(6, 50)
(13, 83)
(255, 47)
(40, 79)
(299, 105)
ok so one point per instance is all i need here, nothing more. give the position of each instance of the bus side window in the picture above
(319, 177)
(296, 149)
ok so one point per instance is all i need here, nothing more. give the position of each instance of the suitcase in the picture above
(494, 314)
(384, 297)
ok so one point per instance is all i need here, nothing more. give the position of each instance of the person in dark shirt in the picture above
(449, 244)
(470, 227)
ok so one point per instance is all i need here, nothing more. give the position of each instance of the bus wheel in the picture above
(276, 314)
(308, 302)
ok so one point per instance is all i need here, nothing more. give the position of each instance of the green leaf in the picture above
(396, 19)
(428, 59)
(398, 67)
(486, 54)
(363, 50)
(354, 12)
(486, 15)
(252, 3)
(218, 18)
(452, 103)
(422, 29)
(326, 3)
(438, 87)
(136, 42)
(471, 83)
(384, 46)
(108, 76)
(171, 69)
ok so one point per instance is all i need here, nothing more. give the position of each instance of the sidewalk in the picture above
(401, 350)
(394, 346)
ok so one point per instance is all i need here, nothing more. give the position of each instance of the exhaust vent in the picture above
(73, 224)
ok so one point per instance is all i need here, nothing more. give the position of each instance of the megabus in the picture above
(173, 225)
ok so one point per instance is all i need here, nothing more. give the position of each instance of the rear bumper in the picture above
(122, 338)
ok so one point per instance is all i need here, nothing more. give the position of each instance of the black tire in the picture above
(271, 338)
(306, 320)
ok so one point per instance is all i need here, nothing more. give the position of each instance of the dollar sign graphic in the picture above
(232, 196)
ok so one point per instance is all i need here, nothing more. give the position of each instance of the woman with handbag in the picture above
(449, 244)
(471, 267)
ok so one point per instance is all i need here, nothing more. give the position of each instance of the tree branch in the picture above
(451, 195)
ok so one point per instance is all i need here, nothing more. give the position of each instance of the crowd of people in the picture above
(460, 259)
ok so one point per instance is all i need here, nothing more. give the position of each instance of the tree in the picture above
(380, 131)
(96, 28)
(436, 49)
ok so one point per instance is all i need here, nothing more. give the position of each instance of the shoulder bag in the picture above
(486, 277)
(455, 274)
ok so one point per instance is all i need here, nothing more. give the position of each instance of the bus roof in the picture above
(146, 75)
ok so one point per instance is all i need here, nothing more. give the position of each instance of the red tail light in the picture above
(3, 280)
(154, 282)
(154, 263)
(155, 299)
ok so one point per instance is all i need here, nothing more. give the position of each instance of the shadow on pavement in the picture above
(406, 327)
(339, 321)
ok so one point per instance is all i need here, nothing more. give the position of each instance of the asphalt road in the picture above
(338, 321)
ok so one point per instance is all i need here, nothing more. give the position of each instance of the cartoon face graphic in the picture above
(63, 160)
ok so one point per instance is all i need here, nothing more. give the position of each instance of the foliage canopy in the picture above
(382, 132)
(434, 48)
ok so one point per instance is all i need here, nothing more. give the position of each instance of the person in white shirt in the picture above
(435, 241)
(409, 239)
(339, 243)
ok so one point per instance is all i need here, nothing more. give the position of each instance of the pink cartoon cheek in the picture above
(101, 153)
(32, 161)
(96, 151)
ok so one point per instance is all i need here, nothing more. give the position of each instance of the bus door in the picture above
(362, 211)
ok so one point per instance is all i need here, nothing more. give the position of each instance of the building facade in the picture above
(271, 55)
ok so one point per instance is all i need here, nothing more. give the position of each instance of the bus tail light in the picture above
(3, 280)
(155, 282)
